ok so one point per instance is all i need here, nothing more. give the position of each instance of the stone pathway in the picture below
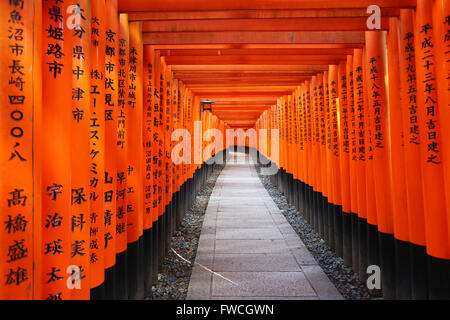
(247, 249)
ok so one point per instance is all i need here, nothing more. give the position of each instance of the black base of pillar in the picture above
(290, 180)
(387, 265)
(148, 263)
(326, 227)
(364, 248)
(331, 227)
(168, 234)
(98, 293)
(438, 277)
(338, 238)
(355, 243)
(135, 270)
(419, 272)
(155, 251)
(121, 276)
(110, 283)
(347, 238)
(319, 201)
(295, 193)
(402, 270)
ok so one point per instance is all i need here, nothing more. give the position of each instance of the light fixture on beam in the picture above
(206, 105)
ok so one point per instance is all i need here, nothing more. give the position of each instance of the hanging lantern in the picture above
(206, 105)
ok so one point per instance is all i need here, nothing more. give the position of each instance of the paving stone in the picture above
(255, 262)
(303, 256)
(259, 284)
(320, 282)
(199, 284)
(227, 222)
(251, 246)
(248, 233)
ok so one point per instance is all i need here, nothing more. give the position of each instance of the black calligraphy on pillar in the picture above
(334, 121)
(359, 105)
(376, 103)
(17, 74)
(413, 133)
(430, 95)
(344, 117)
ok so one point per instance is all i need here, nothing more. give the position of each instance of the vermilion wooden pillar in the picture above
(413, 173)
(431, 159)
(38, 156)
(323, 156)
(353, 159)
(17, 157)
(344, 155)
(122, 159)
(397, 167)
(308, 149)
(378, 105)
(289, 146)
(80, 157)
(328, 163)
(111, 128)
(161, 157)
(361, 154)
(441, 33)
(135, 185)
(281, 115)
(55, 146)
(296, 144)
(335, 158)
(156, 160)
(371, 228)
(314, 164)
(97, 149)
(149, 190)
(168, 128)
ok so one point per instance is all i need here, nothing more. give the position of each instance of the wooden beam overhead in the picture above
(263, 82)
(243, 108)
(237, 75)
(245, 100)
(234, 37)
(236, 121)
(207, 5)
(240, 126)
(231, 110)
(255, 14)
(266, 88)
(241, 94)
(248, 104)
(252, 68)
(238, 115)
(272, 25)
(216, 46)
(257, 52)
(262, 59)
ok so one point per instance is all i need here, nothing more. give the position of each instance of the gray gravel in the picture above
(174, 275)
(346, 281)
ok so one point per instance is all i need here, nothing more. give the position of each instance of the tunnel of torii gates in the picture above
(93, 89)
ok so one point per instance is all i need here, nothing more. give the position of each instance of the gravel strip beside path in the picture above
(342, 276)
(174, 276)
